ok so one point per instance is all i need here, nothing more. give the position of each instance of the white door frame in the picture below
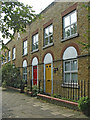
(35, 63)
(47, 62)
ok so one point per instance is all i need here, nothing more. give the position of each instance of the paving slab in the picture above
(17, 105)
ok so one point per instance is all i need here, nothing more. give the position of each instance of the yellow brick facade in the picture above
(53, 14)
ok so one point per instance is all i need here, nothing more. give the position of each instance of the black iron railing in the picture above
(71, 90)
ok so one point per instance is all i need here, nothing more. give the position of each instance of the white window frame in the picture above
(71, 71)
(24, 47)
(48, 27)
(36, 42)
(70, 24)
(9, 53)
(25, 73)
(13, 53)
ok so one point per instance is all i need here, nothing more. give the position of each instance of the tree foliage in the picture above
(11, 75)
(15, 17)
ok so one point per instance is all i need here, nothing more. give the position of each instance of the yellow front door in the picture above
(48, 78)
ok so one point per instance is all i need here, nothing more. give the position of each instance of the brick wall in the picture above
(54, 14)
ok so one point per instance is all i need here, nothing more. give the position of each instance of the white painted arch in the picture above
(34, 61)
(25, 63)
(48, 58)
(69, 53)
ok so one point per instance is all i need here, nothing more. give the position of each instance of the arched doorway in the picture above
(35, 71)
(48, 73)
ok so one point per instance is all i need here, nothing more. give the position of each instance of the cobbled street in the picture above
(17, 105)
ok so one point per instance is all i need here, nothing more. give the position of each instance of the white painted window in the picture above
(13, 53)
(25, 70)
(25, 47)
(18, 36)
(48, 35)
(70, 67)
(35, 42)
(9, 55)
(70, 71)
(70, 24)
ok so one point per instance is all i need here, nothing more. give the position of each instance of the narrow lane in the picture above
(17, 105)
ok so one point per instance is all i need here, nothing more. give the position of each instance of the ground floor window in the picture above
(70, 71)
(70, 67)
(25, 71)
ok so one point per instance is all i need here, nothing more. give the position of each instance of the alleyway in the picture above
(17, 105)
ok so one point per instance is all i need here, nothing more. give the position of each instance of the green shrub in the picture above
(4, 84)
(41, 90)
(84, 104)
(35, 90)
(11, 76)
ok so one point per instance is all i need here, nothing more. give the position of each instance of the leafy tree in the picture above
(15, 17)
(11, 75)
(87, 36)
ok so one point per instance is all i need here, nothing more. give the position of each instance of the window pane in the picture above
(51, 39)
(25, 51)
(73, 29)
(66, 21)
(25, 70)
(67, 32)
(74, 77)
(25, 44)
(67, 66)
(67, 77)
(25, 77)
(36, 45)
(37, 38)
(33, 46)
(46, 32)
(51, 30)
(74, 65)
(46, 41)
(73, 17)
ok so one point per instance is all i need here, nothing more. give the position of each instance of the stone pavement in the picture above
(17, 105)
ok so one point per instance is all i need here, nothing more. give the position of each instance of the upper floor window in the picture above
(48, 35)
(35, 42)
(25, 47)
(9, 55)
(13, 53)
(70, 24)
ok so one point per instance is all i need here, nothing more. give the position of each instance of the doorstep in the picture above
(57, 101)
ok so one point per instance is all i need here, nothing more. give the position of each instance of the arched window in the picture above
(25, 70)
(70, 67)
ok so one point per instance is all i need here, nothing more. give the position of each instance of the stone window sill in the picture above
(24, 55)
(14, 59)
(70, 37)
(70, 85)
(36, 50)
(49, 45)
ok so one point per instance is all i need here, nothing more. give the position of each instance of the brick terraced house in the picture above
(49, 52)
